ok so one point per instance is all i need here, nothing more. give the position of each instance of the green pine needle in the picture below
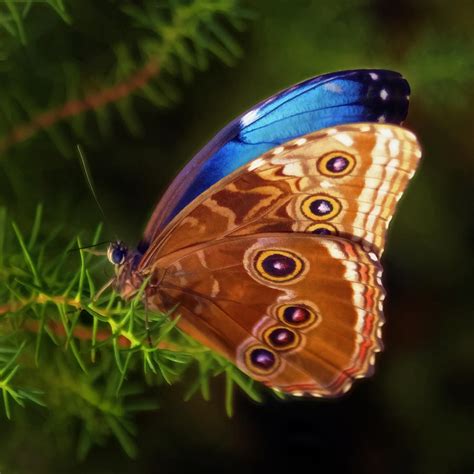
(63, 344)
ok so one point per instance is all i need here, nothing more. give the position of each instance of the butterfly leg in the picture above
(101, 290)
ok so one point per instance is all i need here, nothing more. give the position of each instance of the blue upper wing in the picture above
(332, 99)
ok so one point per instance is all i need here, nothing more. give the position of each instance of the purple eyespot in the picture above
(337, 164)
(262, 358)
(281, 337)
(321, 231)
(296, 315)
(321, 207)
(279, 265)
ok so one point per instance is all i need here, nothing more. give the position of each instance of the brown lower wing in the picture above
(300, 313)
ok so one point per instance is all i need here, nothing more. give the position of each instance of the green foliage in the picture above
(160, 43)
(13, 15)
(68, 348)
(88, 358)
(90, 355)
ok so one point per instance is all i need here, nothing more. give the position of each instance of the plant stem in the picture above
(75, 107)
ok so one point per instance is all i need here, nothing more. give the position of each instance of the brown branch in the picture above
(79, 332)
(75, 107)
(41, 299)
(85, 334)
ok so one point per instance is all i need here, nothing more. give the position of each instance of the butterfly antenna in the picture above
(90, 183)
(88, 247)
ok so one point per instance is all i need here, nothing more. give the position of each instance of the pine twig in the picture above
(73, 108)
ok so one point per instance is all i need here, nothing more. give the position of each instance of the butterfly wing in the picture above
(299, 312)
(322, 101)
(344, 181)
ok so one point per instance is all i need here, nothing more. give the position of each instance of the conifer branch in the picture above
(49, 311)
(93, 101)
(171, 40)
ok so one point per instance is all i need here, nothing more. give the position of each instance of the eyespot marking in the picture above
(281, 338)
(261, 360)
(322, 228)
(297, 315)
(336, 164)
(321, 207)
(278, 265)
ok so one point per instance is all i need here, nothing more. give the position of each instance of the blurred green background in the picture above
(417, 413)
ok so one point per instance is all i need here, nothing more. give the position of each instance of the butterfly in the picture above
(269, 240)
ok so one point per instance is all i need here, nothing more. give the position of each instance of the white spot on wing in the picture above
(278, 150)
(393, 163)
(394, 147)
(334, 249)
(359, 325)
(326, 184)
(215, 289)
(386, 132)
(300, 141)
(381, 119)
(249, 117)
(373, 257)
(383, 94)
(201, 258)
(346, 388)
(374, 76)
(256, 164)
(293, 169)
(410, 135)
(331, 86)
(344, 138)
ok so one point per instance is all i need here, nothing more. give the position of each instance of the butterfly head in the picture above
(127, 280)
(117, 253)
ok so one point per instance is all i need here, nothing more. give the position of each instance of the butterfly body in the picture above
(276, 265)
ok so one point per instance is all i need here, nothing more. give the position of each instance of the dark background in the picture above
(417, 413)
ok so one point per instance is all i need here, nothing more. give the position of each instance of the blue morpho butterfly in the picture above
(268, 240)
